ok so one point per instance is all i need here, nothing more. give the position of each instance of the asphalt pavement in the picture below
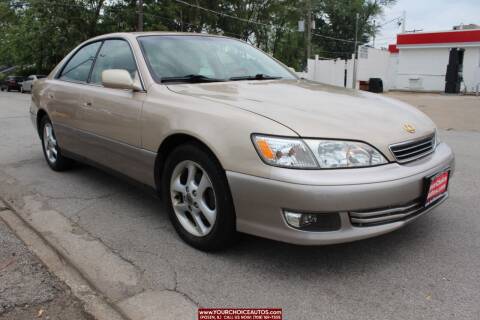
(427, 270)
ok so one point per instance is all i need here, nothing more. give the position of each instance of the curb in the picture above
(111, 287)
(94, 303)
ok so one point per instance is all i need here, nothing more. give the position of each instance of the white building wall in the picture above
(372, 63)
(422, 69)
(392, 71)
(471, 68)
(327, 71)
(412, 69)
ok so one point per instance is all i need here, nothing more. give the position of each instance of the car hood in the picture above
(317, 110)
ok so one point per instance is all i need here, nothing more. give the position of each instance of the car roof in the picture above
(154, 33)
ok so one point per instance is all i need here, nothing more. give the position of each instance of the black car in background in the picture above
(12, 83)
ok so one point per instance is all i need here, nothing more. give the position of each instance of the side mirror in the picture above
(291, 69)
(119, 79)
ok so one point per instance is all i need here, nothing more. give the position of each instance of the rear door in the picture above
(64, 95)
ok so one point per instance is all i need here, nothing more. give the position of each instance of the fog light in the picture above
(313, 221)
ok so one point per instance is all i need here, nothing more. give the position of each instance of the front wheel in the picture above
(198, 198)
(51, 150)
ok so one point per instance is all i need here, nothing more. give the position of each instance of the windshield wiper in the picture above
(191, 78)
(259, 76)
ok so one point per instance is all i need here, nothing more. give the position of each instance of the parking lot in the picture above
(427, 270)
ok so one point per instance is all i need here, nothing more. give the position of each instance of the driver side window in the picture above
(114, 54)
(78, 68)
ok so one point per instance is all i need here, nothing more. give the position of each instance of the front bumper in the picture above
(259, 202)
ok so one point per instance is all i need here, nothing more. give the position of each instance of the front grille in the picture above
(386, 215)
(414, 149)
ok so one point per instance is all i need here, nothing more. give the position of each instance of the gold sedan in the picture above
(233, 141)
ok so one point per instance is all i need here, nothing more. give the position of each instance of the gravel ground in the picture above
(27, 289)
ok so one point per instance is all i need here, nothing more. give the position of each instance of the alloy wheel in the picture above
(50, 143)
(193, 198)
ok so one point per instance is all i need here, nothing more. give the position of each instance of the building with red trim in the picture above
(420, 59)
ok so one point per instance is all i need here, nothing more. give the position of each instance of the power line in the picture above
(390, 21)
(22, 4)
(241, 36)
(209, 11)
(332, 38)
(253, 21)
(335, 52)
(222, 14)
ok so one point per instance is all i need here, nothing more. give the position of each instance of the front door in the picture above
(111, 117)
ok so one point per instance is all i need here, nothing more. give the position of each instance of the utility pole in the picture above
(374, 32)
(181, 20)
(354, 74)
(140, 16)
(404, 20)
(308, 50)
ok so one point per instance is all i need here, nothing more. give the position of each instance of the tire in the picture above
(53, 155)
(203, 214)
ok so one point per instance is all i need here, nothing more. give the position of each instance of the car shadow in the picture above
(347, 257)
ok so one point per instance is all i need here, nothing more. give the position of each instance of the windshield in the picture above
(204, 58)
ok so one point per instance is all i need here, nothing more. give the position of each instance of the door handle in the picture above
(87, 104)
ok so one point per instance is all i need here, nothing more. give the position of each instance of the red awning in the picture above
(456, 36)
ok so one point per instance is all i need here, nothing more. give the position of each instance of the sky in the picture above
(429, 15)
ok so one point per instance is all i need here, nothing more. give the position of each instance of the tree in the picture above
(37, 34)
(336, 18)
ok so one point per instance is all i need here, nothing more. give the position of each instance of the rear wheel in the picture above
(51, 150)
(198, 198)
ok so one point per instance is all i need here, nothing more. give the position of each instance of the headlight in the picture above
(284, 152)
(344, 154)
(315, 154)
(437, 139)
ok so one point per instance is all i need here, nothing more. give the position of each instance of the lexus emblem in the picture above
(409, 128)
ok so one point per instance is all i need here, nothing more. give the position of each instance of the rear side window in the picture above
(115, 54)
(78, 68)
